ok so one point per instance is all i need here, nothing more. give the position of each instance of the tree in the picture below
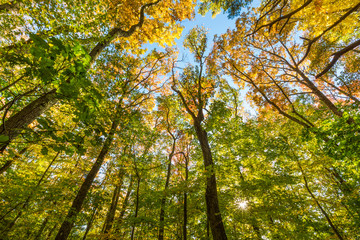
(196, 89)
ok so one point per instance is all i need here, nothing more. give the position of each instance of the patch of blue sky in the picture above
(215, 26)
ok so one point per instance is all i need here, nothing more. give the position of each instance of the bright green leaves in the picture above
(341, 139)
(55, 64)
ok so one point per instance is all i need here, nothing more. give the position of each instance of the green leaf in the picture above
(39, 42)
(4, 138)
(44, 151)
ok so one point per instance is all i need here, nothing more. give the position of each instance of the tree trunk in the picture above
(16, 123)
(114, 202)
(51, 231)
(43, 225)
(89, 224)
(136, 207)
(185, 200)
(163, 200)
(76, 206)
(321, 95)
(124, 205)
(211, 196)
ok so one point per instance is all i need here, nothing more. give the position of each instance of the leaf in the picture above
(44, 151)
(39, 42)
(4, 138)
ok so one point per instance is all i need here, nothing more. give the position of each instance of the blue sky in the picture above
(215, 26)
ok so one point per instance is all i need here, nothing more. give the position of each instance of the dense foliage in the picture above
(256, 136)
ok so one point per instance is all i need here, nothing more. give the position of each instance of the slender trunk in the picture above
(76, 206)
(9, 211)
(10, 225)
(336, 231)
(136, 207)
(114, 202)
(51, 232)
(185, 201)
(90, 222)
(163, 200)
(16, 123)
(43, 225)
(124, 205)
(6, 165)
(211, 196)
(10, 162)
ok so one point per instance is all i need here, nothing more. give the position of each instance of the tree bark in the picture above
(76, 206)
(136, 206)
(211, 196)
(163, 200)
(90, 222)
(16, 123)
(124, 205)
(185, 200)
(114, 202)
(43, 225)
(51, 231)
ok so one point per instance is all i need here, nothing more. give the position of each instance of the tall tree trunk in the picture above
(114, 202)
(211, 196)
(124, 205)
(90, 222)
(207, 228)
(136, 206)
(163, 199)
(16, 123)
(51, 232)
(43, 225)
(322, 97)
(185, 199)
(76, 206)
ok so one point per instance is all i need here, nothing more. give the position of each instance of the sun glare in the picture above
(241, 204)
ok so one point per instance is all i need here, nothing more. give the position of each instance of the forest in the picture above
(108, 132)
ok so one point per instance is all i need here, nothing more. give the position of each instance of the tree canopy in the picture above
(254, 135)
